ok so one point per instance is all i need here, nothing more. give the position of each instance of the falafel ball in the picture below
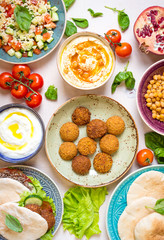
(81, 116)
(49, 217)
(81, 164)
(102, 162)
(34, 207)
(69, 132)
(86, 146)
(96, 128)
(109, 144)
(67, 150)
(115, 125)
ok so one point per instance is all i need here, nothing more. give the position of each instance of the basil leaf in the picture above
(68, 3)
(23, 17)
(51, 92)
(119, 78)
(123, 20)
(159, 206)
(155, 142)
(70, 29)
(93, 14)
(81, 22)
(130, 81)
(13, 223)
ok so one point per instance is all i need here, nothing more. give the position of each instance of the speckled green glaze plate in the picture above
(101, 107)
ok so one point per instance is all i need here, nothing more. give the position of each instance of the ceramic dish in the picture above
(73, 41)
(100, 107)
(49, 187)
(145, 112)
(57, 35)
(3, 156)
(118, 202)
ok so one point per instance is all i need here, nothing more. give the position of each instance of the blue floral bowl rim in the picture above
(24, 159)
(38, 170)
(115, 189)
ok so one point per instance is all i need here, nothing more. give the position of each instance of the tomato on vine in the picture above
(113, 35)
(19, 91)
(36, 81)
(33, 99)
(21, 69)
(5, 80)
(145, 157)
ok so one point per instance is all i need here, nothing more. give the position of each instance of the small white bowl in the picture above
(84, 34)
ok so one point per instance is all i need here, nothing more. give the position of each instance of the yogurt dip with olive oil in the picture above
(86, 62)
(20, 133)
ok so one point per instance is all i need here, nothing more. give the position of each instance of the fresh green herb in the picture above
(123, 18)
(13, 223)
(159, 206)
(44, 31)
(81, 210)
(23, 17)
(11, 26)
(68, 3)
(23, 1)
(70, 29)
(81, 22)
(126, 76)
(155, 142)
(51, 92)
(93, 14)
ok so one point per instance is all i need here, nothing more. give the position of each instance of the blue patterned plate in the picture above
(118, 202)
(57, 35)
(49, 187)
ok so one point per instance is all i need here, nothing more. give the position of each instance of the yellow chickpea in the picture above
(149, 86)
(155, 94)
(148, 91)
(158, 109)
(152, 82)
(148, 100)
(154, 106)
(153, 99)
(154, 115)
(157, 103)
(148, 105)
(162, 111)
(155, 77)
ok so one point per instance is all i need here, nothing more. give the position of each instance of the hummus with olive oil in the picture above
(86, 62)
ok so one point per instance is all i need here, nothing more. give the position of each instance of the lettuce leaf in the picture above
(81, 210)
(42, 194)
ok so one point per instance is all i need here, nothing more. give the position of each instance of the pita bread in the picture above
(149, 184)
(132, 215)
(10, 190)
(34, 225)
(150, 227)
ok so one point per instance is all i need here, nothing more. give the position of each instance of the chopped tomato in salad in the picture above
(26, 27)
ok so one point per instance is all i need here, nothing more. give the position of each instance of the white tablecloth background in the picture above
(47, 67)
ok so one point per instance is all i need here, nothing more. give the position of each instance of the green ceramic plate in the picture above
(101, 107)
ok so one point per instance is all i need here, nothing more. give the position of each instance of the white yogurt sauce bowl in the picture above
(21, 133)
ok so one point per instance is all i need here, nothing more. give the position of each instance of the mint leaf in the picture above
(13, 223)
(93, 14)
(23, 17)
(70, 29)
(81, 22)
(51, 92)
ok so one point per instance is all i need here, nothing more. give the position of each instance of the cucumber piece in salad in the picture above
(11, 52)
(33, 199)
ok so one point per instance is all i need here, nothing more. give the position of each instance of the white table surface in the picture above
(47, 67)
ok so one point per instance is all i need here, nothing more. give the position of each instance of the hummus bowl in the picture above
(86, 61)
(101, 107)
(21, 133)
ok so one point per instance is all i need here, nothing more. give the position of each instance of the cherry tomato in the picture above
(145, 157)
(4, 78)
(37, 51)
(19, 90)
(21, 68)
(124, 50)
(114, 35)
(37, 81)
(6, 48)
(33, 100)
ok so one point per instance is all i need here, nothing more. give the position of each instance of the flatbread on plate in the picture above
(34, 225)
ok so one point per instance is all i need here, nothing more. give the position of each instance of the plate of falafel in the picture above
(91, 140)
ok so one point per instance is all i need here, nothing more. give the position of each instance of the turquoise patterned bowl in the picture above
(57, 35)
(49, 187)
(118, 202)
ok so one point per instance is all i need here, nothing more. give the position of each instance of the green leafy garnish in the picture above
(23, 17)
(159, 206)
(13, 223)
(51, 92)
(70, 29)
(126, 76)
(93, 14)
(68, 3)
(123, 18)
(81, 22)
(23, 1)
(155, 142)
(81, 210)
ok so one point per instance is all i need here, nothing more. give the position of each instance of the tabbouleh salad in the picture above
(26, 26)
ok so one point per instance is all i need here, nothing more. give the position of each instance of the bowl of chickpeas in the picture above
(150, 97)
